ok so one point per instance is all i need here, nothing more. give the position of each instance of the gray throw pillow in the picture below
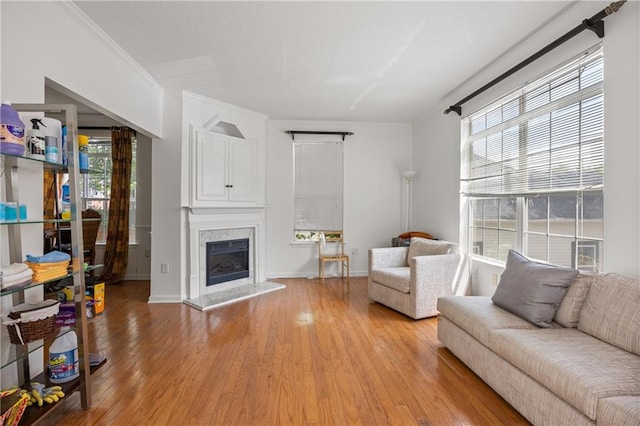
(532, 290)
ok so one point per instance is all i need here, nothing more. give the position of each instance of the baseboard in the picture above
(137, 278)
(164, 299)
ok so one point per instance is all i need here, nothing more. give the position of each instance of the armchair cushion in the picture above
(426, 247)
(395, 278)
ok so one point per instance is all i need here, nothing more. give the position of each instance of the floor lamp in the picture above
(407, 175)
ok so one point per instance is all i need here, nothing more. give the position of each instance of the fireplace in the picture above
(221, 226)
(227, 260)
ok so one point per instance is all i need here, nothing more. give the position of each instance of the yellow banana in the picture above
(36, 394)
(48, 400)
(60, 394)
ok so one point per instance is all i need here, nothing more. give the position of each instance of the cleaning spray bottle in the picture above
(64, 364)
(11, 130)
(36, 144)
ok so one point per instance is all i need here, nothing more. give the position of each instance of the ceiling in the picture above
(380, 61)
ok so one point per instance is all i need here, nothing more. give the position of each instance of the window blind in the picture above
(318, 187)
(546, 137)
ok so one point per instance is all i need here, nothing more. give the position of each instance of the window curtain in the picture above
(117, 247)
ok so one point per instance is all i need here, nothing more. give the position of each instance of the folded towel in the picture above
(54, 256)
(13, 269)
(40, 277)
(46, 266)
(21, 283)
(15, 278)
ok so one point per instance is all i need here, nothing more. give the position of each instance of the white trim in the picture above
(215, 102)
(164, 299)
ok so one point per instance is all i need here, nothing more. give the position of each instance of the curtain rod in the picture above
(309, 132)
(595, 24)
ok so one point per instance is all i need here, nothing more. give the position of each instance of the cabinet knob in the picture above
(228, 186)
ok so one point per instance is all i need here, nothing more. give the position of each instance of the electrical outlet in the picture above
(494, 278)
(474, 275)
(164, 268)
(355, 252)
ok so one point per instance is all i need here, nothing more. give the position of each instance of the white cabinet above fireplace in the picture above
(223, 170)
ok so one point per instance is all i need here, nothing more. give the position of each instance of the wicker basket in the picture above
(29, 322)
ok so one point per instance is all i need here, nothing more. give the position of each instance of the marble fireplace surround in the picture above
(221, 224)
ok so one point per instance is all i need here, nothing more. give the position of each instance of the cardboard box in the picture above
(96, 292)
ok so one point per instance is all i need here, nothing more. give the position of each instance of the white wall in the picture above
(167, 217)
(437, 136)
(71, 51)
(373, 159)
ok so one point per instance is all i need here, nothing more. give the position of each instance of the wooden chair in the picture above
(91, 220)
(90, 230)
(327, 241)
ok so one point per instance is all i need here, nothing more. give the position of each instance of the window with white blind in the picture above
(318, 188)
(532, 169)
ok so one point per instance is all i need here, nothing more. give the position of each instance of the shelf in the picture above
(18, 355)
(34, 413)
(19, 288)
(11, 353)
(48, 165)
(28, 221)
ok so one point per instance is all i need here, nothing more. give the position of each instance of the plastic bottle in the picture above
(83, 155)
(64, 364)
(51, 150)
(11, 130)
(63, 147)
(36, 144)
(66, 202)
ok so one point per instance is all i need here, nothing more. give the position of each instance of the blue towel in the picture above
(52, 257)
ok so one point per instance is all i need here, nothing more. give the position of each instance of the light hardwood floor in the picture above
(308, 354)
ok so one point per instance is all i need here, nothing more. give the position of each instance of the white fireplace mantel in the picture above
(206, 222)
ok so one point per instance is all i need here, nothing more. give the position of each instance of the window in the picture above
(532, 169)
(96, 185)
(318, 192)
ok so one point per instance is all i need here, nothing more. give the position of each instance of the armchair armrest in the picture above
(387, 257)
(436, 274)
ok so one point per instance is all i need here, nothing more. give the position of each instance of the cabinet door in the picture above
(242, 170)
(211, 167)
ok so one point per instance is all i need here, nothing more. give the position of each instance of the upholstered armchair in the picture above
(410, 279)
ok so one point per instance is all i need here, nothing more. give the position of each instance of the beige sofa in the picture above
(582, 370)
(410, 279)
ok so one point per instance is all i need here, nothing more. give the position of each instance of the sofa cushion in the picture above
(425, 247)
(477, 315)
(619, 411)
(575, 366)
(568, 313)
(395, 278)
(532, 290)
(611, 311)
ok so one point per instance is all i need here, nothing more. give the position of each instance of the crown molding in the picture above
(203, 98)
(85, 20)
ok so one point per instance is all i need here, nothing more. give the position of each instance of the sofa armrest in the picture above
(387, 257)
(436, 274)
